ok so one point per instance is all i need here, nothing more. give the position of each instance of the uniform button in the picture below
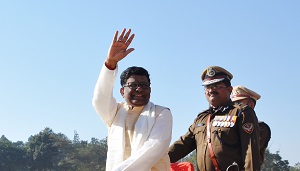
(219, 130)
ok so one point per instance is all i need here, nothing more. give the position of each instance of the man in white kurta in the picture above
(139, 132)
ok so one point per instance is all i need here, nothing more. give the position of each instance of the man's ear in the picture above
(122, 91)
(251, 104)
(229, 89)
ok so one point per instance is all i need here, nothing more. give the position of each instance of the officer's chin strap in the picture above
(212, 154)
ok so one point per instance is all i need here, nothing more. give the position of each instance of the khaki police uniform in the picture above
(240, 93)
(234, 133)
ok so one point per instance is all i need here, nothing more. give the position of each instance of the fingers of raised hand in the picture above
(127, 35)
(128, 41)
(116, 39)
(121, 37)
(124, 37)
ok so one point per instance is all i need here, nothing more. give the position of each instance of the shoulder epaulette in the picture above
(202, 113)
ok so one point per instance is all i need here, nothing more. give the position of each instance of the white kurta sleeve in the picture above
(103, 101)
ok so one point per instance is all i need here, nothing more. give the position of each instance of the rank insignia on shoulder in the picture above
(248, 127)
(200, 124)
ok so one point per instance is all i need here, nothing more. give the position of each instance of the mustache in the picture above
(214, 93)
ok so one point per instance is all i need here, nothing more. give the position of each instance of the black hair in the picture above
(227, 82)
(254, 101)
(134, 70)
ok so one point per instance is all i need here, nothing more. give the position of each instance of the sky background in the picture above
(51, 53)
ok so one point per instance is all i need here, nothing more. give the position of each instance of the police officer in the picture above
(224, 133)
(244, 96)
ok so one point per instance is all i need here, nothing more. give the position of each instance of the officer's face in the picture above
(217, 94)
(136, 91)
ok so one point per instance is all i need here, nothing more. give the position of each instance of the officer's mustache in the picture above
(213, 93)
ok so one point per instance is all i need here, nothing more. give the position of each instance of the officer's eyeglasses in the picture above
(233, 167)
(133, 85)
(214, 87)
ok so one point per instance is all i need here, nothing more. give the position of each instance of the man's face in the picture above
(136, 91)
(217, 94)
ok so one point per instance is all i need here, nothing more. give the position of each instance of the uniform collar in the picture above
(228, 105)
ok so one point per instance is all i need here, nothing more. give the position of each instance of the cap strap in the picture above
(216, 77)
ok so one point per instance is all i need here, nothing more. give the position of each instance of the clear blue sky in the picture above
(52, 51)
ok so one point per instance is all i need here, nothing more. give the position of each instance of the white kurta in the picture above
(152, 131)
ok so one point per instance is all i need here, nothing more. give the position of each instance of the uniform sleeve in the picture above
(265, 136)
(103, 101)
(154, 148)
(183, 146)
(249, 135)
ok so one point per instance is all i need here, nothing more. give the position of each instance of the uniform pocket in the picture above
(200, 134)
(224, 135)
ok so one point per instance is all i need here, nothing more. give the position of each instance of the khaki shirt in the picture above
(239, 143)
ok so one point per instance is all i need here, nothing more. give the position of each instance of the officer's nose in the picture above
(139, 89)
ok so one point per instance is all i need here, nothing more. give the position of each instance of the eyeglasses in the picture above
(214, 87)
(136, 85)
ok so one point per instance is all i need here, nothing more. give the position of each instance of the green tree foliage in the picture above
(86, 156)
(296, 167)
(102, 152)
(12, 155)
(42, 150)
(274, 162)
(48, 151)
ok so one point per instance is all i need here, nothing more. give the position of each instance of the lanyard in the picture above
(212, 154)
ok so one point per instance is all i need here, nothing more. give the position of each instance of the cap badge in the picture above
(211, 72)
(236, 92)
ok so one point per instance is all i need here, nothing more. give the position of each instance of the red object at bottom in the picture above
(182, 166)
